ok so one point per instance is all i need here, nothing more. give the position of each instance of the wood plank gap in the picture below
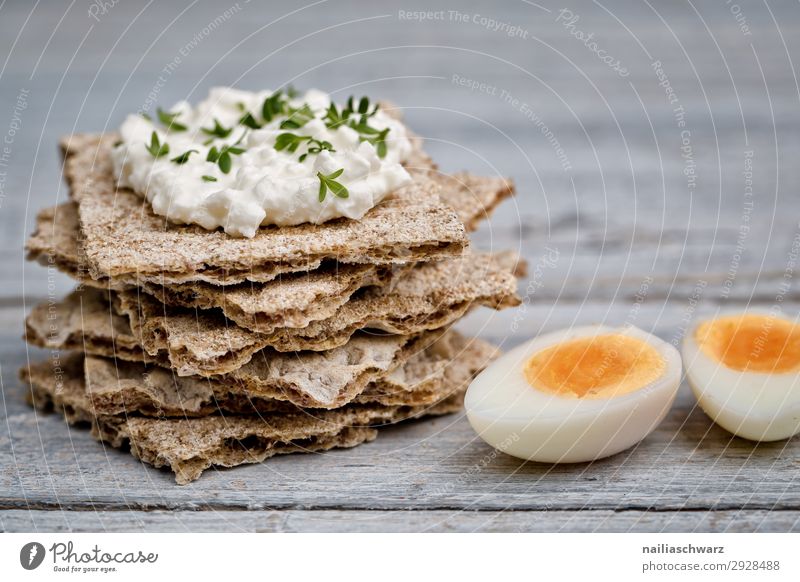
(212, 507)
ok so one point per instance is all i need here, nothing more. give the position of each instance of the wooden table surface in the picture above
(652, 190)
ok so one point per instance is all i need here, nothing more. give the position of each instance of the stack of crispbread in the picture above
(198, 349)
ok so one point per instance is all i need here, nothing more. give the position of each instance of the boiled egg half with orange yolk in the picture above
(575, 395)
(744, 369)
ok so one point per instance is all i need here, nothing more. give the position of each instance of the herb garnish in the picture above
(372, 135)
(363, 106)
(184, 157)
(290, 142)
(315, 146)
(329, 183)
(222, 156)
(249, 121)
(298, 117)
(273, 106)
(168, 119)
(335, 119)
(355, 116)
(156, 148)
(217, 131)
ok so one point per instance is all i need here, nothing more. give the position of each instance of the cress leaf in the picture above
(156, 148)
(168, 119)
(217, 131)
(184, 157)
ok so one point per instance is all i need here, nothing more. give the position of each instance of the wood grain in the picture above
(686, 464)
(632, 243)
(399, 521)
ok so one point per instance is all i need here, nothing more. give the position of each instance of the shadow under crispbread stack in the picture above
(198, 349)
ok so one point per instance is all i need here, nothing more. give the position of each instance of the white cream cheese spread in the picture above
(240, 159)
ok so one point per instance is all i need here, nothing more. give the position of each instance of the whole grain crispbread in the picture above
(57, 242)
(85, 320)
(326, 379)
(292, 300)
(124, 239)
(420, 377)
(474, 198)
(430, 296)
(190, 446)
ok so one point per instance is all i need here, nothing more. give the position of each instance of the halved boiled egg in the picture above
(575, 395)
(744, 370)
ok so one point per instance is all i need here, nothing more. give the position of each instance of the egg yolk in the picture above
(754, 343)
(601, 366)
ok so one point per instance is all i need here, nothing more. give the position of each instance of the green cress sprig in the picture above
(276, 105)
(334, 118)
(222, 156)
(184, 157)
(354, 116)
(291, 142)
(363, 106)
(328, 182)
(298, 117)
(375, 137)
(156, 148)
(316, 146)
(218, 131)
(168, 119)
(249, 121)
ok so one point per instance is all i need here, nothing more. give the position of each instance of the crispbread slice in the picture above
(474, 198)
(56, 242)
(329, 379)
(207, 345)
(292, 300)
(430, 296)
(85, 320)
(116, 387)
(190, 446)
(124, 239)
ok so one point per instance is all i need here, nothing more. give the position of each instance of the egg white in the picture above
(752, 405)
(520, 420)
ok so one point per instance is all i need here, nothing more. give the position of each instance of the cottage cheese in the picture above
(263, 186)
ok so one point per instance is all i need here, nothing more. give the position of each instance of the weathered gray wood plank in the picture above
(625, 227)
(399, 521)
(687, 463)
(605, 215)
